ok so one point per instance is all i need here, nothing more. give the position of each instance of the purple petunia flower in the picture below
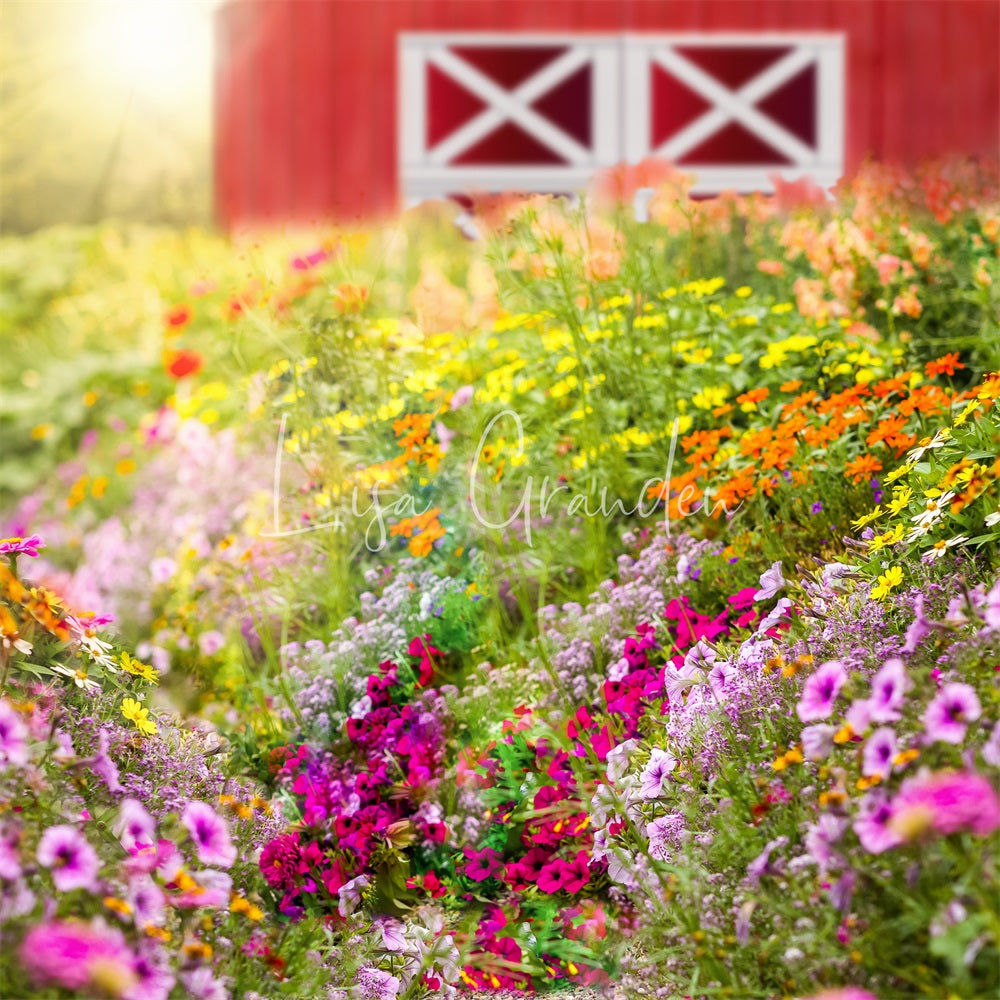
(774, 616)
(654, 776)
(135, 827)
(889, 687)
(873, 823)
(820, 691)
(880, 749)
(147, 900)
(210, 834)
(820, 838)
(13, 737)
(817, 507)
(73, 861)
(949, 713)
(771, 581)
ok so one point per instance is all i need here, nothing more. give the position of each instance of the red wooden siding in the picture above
(306, 89)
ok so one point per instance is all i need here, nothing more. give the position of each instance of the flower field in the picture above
(568, 600)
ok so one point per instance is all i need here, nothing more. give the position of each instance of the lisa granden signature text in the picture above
(591, 504)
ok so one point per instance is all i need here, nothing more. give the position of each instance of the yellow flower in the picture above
(901, 496)
(133, 666)
(744, 291)
(890, 579)
(138, 715)
(867, 518)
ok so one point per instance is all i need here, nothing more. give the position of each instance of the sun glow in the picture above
(155, 48)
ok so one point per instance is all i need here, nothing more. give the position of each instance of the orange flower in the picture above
(945, 365)
(861, 468)
(792, 386)
(754, 395)
(180, 363)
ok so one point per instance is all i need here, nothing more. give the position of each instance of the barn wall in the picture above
(306, 89)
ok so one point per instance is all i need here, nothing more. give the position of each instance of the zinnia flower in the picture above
(946, 803)
(947, 715)
(820, 692)
(279, 861)
(29, 546)
(77, 957)
(73, 861)
(210, 834)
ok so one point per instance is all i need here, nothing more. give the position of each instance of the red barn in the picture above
(353, 108)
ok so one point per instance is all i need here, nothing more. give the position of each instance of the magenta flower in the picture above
(947, 716)
(147, 900)
(844, 993)
(210, 834)
(946, 803)
(771, 581)
(134, 827)
(29, 546)
(889, 687)
(820, 692)
(880, 749)
(483, 864)
(873, 823)
(68, 953)
(73, 861)
(279, 861)
(13, 737)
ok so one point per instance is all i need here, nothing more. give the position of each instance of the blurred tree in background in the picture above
(105, 111)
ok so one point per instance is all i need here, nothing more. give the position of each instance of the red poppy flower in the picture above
(180, 363)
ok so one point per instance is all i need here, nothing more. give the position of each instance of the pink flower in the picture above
(462, 396)
(13, 737)
(135, 827)
(29, 546)
(873, 823)
(947, 715)
(844, 993)
(817, 741)
(482, 864)
(880, 748)
(919, 628)
(991, 613)
(210, 834)
(73, 861)
(946, 803)
(69, 954)
(889, 687)
(209, 643)
(820, 692)
(10, 860)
